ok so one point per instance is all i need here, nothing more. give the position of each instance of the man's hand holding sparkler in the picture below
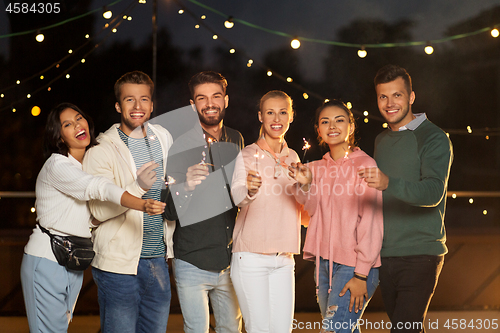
(302, 174)
(374, 178)
(195, 175)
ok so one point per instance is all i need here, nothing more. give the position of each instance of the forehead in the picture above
(67, 114)
(332, 112)
(397, 85)
(133, 89)
(275, 103)
(208, 89)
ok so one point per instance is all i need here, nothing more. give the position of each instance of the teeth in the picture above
(138, 114)
(276, 126)
(82, 132)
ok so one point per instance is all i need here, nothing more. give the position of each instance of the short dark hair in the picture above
(207, 77)
(52, 141)
(389, 73)
(338, 103)
(135, 77)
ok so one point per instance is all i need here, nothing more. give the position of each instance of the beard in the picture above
(211, 121)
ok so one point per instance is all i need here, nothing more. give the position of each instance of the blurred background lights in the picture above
(83, 61)
(181, 11)
(114, 30)
(33, 209)
(366, 120)
(232, 51)
(454, 195)
(429, 49)
(35, 111)
(70, 51)
(305, 95)
(295, 43)
(215, 36)
(28, 96)
(269, 73)
(365, 113)
(385, 125)
(327, 100)
(349, 105)
(203, 17)
(18, 82)
(67, 76)
(495, 33)
(485, 212)
(2, 95)
(197, 26)
(87, 36)
(289, 79)
(471, 200)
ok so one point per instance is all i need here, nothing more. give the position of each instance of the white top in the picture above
(62, 191)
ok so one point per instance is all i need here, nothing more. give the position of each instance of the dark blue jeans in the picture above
(407, 285)
(135, 303)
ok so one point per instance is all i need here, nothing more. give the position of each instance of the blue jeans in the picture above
(135, 303)
(194, 287)
(335, 309)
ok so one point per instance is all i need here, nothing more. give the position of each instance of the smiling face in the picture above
(394, 102)
(334, 127)
(210, 102)
(74, 131)
(135, 106)
(276, 115)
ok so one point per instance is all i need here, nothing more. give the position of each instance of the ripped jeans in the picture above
(335, 309)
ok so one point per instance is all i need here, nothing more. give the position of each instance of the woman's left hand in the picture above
(301, 173)
(153, 207)
(358, 291)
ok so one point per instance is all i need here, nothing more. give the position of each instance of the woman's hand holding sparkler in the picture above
(302, 174)
(254, 182)
(195, 175)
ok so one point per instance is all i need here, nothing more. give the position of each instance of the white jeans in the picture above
(265, 286)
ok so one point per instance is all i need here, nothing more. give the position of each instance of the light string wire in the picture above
(343, 44)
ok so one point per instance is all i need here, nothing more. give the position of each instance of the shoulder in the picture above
(430, 134)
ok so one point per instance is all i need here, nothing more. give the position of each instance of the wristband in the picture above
(359, 277)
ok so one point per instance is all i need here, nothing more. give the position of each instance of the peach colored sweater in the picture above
(269, 221)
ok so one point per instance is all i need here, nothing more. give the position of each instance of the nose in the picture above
(276, 117)
(332, 124)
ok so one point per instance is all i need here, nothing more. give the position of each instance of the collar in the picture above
(279, 158)
(413, 125)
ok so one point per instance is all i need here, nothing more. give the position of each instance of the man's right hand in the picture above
(195, 175)
(146, 175)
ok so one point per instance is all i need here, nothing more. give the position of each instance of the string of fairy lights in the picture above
(110, 27)
(229, 22)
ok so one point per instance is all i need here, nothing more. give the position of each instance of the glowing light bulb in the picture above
(107, 14)
(495, 33)
(289, 79)
(349, 105)
(454, 195)
(215, 36)
(366, 120)
(87, 36)
(203, 17)
(485, 212)
(114, 30)
(327, 100)
(83, 61)
(33, 209)
(70, 51)
(18, 82)
(28, 96)
(365, 113)
(471, 200)
(362, 52)
(35, 111)
(429, 49)
(305, 95)
(232, 51)
(269, 73)
(385, 125)
(67, 76)
(229, 23)
(469, 129)
(295, 43)
(197, 26)
(181, 11)
(39, 37)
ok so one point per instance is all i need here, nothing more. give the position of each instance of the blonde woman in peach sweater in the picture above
(267, 230)
(344, 236)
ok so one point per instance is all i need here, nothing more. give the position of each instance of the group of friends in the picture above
(230, 215)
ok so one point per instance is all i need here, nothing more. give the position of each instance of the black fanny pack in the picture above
(73, 252)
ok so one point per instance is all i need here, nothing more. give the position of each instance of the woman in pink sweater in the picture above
(267, 230)
(345, 232)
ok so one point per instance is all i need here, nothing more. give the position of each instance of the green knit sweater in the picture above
(418, 164)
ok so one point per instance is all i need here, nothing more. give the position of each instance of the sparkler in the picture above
(305, 147)
(346, 156)
(256, 160)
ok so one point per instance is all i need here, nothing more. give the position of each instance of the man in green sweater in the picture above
(414, 157)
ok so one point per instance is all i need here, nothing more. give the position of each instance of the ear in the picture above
(351, 129)
(260, 116)
(192, 105)
(226, 101)
(412, 97)
(291, 117)
(117, 107)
